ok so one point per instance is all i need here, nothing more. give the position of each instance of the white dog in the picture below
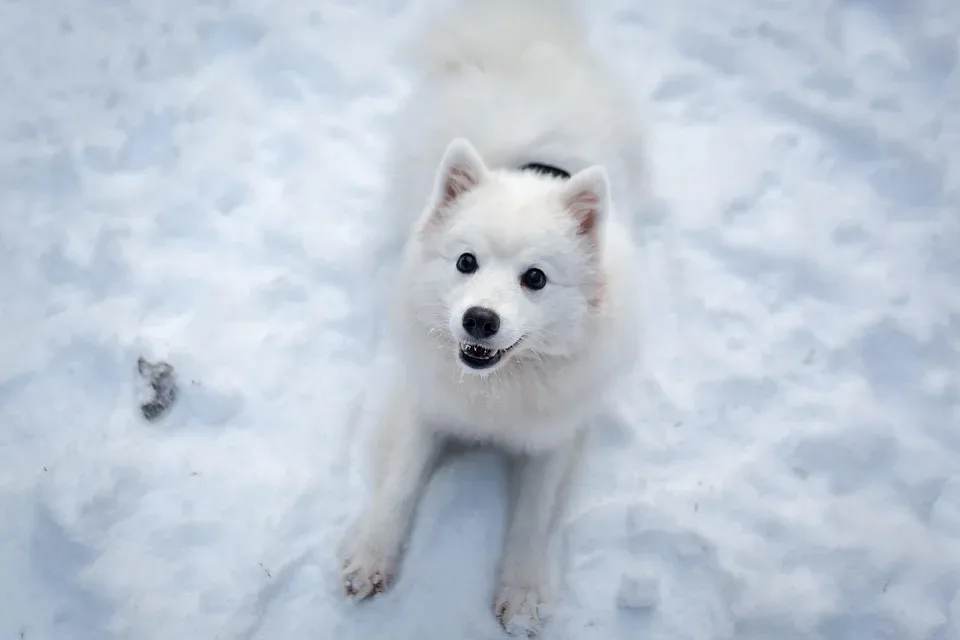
(518, 302)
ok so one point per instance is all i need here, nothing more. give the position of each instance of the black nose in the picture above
(480, 322)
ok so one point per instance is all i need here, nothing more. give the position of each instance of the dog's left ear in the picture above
(461, 170)
(586, 196)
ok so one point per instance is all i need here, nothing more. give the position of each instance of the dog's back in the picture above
(495, 35)
(519, 80)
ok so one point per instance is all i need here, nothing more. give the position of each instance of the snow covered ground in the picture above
(196, 182)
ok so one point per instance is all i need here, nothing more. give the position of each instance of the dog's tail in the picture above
(493, 34)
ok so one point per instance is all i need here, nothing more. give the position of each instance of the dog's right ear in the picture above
(587, 198)
(461, 170)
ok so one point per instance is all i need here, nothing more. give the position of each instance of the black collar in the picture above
(547, 169)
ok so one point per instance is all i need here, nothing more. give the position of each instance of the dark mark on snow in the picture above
(161, 378)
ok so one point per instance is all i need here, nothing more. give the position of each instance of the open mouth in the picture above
(479, 357)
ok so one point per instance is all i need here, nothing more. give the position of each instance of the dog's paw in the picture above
(368, 562)
(520, 610)
(366, 573)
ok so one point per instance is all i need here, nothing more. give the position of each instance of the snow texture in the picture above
(198, 183)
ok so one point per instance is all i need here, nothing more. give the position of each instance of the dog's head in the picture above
(504, 265)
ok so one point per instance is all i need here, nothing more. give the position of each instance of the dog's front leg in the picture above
(539, 489)
(404, 452)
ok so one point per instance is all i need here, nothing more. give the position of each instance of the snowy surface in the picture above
(198, 182)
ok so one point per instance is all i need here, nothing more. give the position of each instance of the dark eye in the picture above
(534, 279)
(466, 263)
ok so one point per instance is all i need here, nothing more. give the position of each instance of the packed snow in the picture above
(198, 183)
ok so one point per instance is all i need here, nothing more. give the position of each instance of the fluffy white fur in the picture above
(503, 83)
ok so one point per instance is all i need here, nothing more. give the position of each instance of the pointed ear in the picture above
(461, 170)
(586, 197)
